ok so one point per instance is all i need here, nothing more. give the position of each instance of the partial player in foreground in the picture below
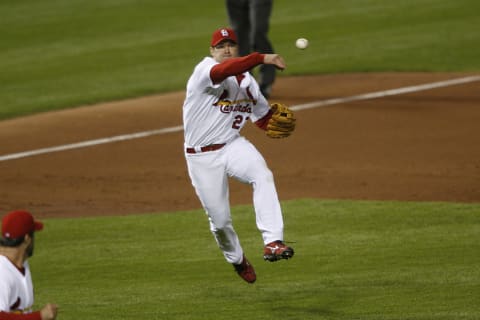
(221, 96)
(16, 289)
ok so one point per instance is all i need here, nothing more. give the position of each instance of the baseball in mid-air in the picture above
(301, 43)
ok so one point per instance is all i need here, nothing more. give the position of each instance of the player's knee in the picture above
(221, 225)
(220, 222)
(264, 176)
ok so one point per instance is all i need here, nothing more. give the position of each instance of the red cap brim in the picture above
(38, 226)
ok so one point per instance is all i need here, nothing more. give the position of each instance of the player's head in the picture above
(224, 44)
(18, 227)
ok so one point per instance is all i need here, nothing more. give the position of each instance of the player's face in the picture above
(224, 50)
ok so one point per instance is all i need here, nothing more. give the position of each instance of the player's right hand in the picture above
(275, 59)
(49, 312)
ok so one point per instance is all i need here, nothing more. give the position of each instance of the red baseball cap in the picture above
(17, 224)
(223, 34)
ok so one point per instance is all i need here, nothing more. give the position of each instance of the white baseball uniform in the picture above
(214, 114)
(16, 289)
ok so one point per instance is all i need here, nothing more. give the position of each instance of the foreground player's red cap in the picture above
(223, 34)
(17, 224)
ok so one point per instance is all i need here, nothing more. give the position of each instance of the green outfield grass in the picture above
(60, 54)
(354, 260)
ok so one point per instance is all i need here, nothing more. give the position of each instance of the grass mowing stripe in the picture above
(56, 55)
(354, 260)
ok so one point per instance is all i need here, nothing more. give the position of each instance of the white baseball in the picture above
(301, 43)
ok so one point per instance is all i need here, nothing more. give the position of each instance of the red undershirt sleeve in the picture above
(27, 316)
(262, 123)
(235, 66)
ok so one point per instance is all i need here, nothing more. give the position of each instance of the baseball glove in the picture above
(282, 122)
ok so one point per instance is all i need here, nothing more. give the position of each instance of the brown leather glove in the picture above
(282, 122)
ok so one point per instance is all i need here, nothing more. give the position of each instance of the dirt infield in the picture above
(422, 146)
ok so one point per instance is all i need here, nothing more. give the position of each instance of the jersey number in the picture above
(238, 121)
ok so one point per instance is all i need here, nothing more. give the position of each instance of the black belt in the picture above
(211, 147)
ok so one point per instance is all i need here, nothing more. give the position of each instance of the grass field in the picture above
(354, 260)
(56, 54)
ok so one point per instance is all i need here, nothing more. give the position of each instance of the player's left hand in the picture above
(282, 122)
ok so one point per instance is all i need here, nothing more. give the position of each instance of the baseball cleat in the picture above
(245, 271)
(277, 250)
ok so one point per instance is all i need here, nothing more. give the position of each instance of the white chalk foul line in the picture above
(90, 143)
(316, 104)
(380, 94)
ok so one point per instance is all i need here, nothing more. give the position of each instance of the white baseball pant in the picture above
(209, 172)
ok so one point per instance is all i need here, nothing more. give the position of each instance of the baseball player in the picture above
(221, 96)
(16, 289)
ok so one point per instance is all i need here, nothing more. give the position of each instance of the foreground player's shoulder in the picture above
(4, 262)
